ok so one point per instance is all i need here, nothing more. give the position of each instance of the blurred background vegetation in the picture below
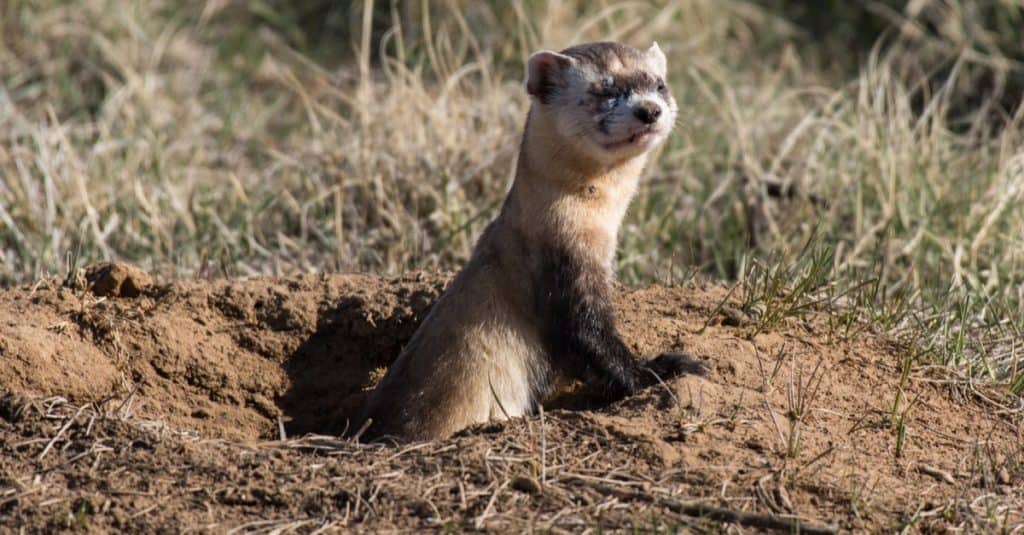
(870, 149)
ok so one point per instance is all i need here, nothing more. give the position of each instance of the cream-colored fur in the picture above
(479, 355)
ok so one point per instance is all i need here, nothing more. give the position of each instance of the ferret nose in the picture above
(647, 112)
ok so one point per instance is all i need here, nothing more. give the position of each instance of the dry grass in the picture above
(574, 472)
(194, 140)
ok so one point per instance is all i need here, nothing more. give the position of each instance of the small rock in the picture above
(116, 279)
(525, 484)
(734, 317)
(755, 444)
(422, 509)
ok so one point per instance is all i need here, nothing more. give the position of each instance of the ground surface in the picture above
(166, 410)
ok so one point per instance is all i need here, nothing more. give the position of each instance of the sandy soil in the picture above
(130, 405)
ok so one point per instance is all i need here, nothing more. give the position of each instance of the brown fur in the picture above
(479, 354)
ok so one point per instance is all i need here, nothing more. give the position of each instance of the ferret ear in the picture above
(542, 70)
(656, 59)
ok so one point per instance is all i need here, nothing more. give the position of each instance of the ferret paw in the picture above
(668, 365)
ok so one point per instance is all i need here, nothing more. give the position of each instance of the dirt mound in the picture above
(225, 358)
(165, 410)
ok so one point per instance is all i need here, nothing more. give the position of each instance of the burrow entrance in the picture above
(226, 358)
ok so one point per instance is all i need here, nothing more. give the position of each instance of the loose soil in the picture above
(217, 406)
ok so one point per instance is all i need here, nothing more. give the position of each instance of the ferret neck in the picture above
(545, 157)
(558, 191)
(547, 160)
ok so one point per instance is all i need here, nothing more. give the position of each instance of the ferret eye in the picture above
(661, 86)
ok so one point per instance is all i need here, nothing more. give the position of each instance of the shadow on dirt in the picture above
(226, 358)
(335, 368)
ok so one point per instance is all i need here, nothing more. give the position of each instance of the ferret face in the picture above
(608, 100)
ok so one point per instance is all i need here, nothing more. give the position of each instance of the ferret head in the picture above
(609, 101)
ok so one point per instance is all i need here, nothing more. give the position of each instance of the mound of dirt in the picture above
(226, 359)
(116, 279)
(164, 406)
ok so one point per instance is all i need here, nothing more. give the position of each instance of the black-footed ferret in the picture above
(533, 304)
